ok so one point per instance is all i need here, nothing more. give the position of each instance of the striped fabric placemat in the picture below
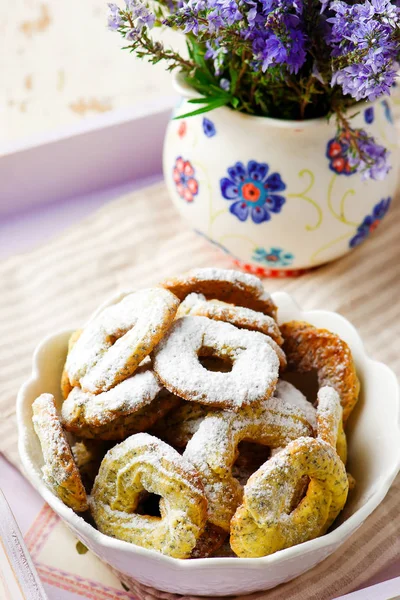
(135, 241)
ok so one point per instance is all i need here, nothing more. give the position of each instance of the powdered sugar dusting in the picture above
(191, 302)
(254, 371)
(212, 449)
(240, 316)
(52, 438)
(290, 394)
(224, 284)
(150, 450)
(232, 276)
(329, 415)
(125, 398)
(113, 344)
(59, 470)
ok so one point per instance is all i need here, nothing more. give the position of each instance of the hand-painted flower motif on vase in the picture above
(274, 257)
(387, 111)
(369, 115)
(185, 182)
(370, 222)
(182, 129)
(209, 128)
(338, 154)
(252, 191)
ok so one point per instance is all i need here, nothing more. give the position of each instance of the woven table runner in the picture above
(139, 239)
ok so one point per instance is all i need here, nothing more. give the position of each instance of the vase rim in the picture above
(186, 91)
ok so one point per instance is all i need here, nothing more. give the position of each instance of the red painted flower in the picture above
(185, 181)
(338, 152)
(182, 129)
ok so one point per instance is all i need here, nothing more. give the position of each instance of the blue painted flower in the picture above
(387, 111)
(370, 222)
(252, 191)
(369, 115)
(273, 257)
(209, 128)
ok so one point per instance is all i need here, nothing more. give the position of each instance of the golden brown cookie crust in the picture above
(230, 286)
(308, 348)
(59, 471)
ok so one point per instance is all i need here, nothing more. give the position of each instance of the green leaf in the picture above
(199, 111)
(207, 100)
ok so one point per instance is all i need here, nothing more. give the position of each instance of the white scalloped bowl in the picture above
(374, 460)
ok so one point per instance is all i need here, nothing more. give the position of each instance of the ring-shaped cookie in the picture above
(254, 371)
(144, 463)
(244, 318)
(182, 422)
(114, 343)
(98, 415)
(214, 448)
(228, 285)
(308, 348)
(120, 411)
(267, 521)
(60, 472)
(330, 421)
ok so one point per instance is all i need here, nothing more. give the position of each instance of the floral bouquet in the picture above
(287, 59)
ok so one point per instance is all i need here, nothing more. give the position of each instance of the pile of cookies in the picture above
(178, 428)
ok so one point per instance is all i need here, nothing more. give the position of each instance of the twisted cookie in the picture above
(114, 343)
(213, 448)
(60, 472)
(267, 521)
(244, 318)
(330, 422)
(130, 407)
(142, 462)
(254, 363)
(223, 284)
(309, 348)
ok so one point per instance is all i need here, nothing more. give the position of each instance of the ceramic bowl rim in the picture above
(333, 538)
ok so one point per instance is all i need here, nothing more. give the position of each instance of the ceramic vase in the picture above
(278, 196)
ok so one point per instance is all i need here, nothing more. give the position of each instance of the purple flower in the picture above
(363, 36)
(365, 80)
(229, 12)
(278, 38)
(372, 160)
(114, 17)
(209, 127)
(252, 191)
(285, 48)
(132, 34)
(225, 84)
(216, 53)
(370, 222)
(141, 14)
